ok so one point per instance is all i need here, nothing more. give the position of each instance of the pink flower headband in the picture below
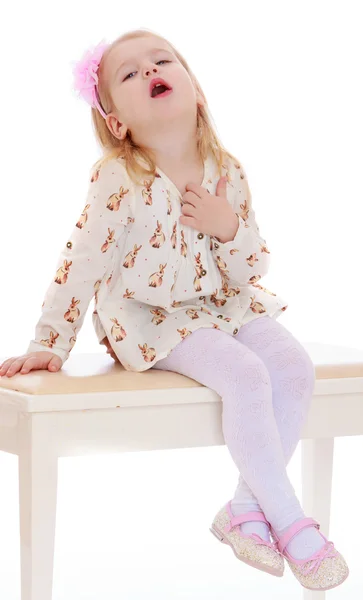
(86, 78)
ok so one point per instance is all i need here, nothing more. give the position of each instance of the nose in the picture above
(148, 70)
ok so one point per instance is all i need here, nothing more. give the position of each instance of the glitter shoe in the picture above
(251, 548)
(324, 570)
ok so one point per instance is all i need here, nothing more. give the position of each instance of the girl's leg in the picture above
(292, 376)
(239, 376)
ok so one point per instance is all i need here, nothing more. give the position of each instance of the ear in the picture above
(119, 130)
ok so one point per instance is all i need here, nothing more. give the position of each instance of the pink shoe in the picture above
(324, 570)
(250, 548)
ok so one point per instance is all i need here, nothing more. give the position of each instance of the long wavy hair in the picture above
(112, 147)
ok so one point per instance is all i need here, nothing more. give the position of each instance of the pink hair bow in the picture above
(86, 78)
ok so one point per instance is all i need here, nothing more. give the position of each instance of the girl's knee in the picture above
(246, 363)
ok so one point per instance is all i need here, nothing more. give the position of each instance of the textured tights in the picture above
(265, 379)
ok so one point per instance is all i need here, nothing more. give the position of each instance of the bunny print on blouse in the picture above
(154, 280)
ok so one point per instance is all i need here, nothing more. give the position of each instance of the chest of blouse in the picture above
(163, 261)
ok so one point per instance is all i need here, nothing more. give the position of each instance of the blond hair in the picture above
(112, 147)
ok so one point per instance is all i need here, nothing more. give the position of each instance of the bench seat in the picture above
(93, 405)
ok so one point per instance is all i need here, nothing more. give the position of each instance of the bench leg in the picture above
(38, 473)
(317, 476)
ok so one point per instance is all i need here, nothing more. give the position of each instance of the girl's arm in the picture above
(86, 258)
(245, 259)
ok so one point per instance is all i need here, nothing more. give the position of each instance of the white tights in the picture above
(265, 379)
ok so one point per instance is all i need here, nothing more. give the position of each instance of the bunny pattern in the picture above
(154, 280)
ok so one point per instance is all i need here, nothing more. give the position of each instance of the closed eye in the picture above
(157, 63)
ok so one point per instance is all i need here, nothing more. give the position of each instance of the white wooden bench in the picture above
(94, 406)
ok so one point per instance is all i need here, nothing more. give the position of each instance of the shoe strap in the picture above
(294, 529)
(250, 516)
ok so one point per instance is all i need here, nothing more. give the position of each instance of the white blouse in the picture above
(154, 280)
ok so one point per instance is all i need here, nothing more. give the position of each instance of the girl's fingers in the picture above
(15, 366)
(6, 364)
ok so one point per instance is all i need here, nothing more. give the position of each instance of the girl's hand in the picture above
(31, 362)
(109, 349)
(210, 214)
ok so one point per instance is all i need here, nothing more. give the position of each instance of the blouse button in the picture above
(69, 244)
(204, 272)
(235, 331)
(216, 245)
(200, 236)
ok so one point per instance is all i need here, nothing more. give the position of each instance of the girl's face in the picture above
(129, 70)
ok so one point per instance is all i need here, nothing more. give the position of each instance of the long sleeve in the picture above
(245, 259)
(86, 259)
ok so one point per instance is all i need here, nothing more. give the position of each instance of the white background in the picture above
(284, 84)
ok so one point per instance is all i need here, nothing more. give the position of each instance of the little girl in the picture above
(169, 246)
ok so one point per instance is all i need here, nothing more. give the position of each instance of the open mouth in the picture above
(159, 87)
